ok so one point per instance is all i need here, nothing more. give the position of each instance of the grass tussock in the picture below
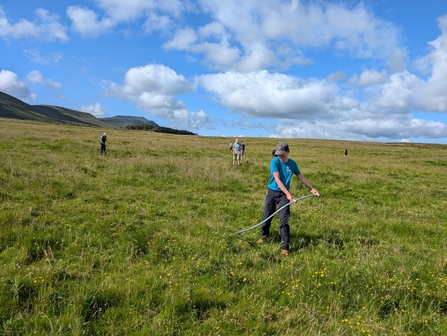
(140, 242)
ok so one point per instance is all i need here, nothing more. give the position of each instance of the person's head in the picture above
(282, 149)
(237, 140)
(104, 133)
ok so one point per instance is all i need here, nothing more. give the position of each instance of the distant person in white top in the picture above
(237, 152)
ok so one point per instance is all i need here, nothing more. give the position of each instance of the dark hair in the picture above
(273, 152)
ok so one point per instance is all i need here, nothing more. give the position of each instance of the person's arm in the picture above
(282, 186)
(304, 181)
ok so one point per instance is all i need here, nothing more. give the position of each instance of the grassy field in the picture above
(141, 242)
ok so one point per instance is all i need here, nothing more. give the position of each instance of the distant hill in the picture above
(123, 121)
(14, 108)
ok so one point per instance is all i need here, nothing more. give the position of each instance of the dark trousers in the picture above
(274, 200)
(103, 149)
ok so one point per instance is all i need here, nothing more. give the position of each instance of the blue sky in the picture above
(347, 70)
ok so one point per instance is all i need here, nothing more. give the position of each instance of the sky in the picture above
(339, 70)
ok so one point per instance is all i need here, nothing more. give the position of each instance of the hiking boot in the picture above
(263, 239)
(285, 253)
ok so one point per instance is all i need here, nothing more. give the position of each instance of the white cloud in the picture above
(46, 27)
(153, 88)
(155, 78)
(431, 94)
(407, 92)
(398, 92)
(182, 40)
(265, 95)
(369, 77)
(12, 85)
(86, 22)
(158, 15)
(156, 22)
(364, 130)
(336, 76)
(398, 60)
(377, 105)
(36, 77)
(94, 109)
(190, 120)
(120, 11)
(254, 34)
(213, 29)
(442, 23)
(259, 30)
(321, 109)
(257, 56)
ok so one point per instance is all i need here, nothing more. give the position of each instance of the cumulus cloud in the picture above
(273, 34)
(270, 95)
(45, 27)
(94, 109)
(369, 77)
(431, 93)
(110, 13)
(156, 22)
(253, 37)
(36, 77)
(12, 85)
(153, 88)
(406, 92)
(336, 76)
(119, 10)
(183, 39)
(86, 22)
(363, 130)
(190, 120)
(322, 109)
(377, 104)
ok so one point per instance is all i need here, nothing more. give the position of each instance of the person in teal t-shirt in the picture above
(282, 170)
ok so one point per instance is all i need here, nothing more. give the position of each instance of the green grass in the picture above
(141, 242)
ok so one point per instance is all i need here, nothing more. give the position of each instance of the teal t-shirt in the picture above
(286, 171)
(237, 146)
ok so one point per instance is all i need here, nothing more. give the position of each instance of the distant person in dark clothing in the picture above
(346, 151)
(231, 146)
(103, 143)
(242, 149)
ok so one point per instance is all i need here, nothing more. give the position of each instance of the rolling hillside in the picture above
(14, 108)
(123, 121)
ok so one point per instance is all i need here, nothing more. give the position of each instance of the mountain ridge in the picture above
(11, 107)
